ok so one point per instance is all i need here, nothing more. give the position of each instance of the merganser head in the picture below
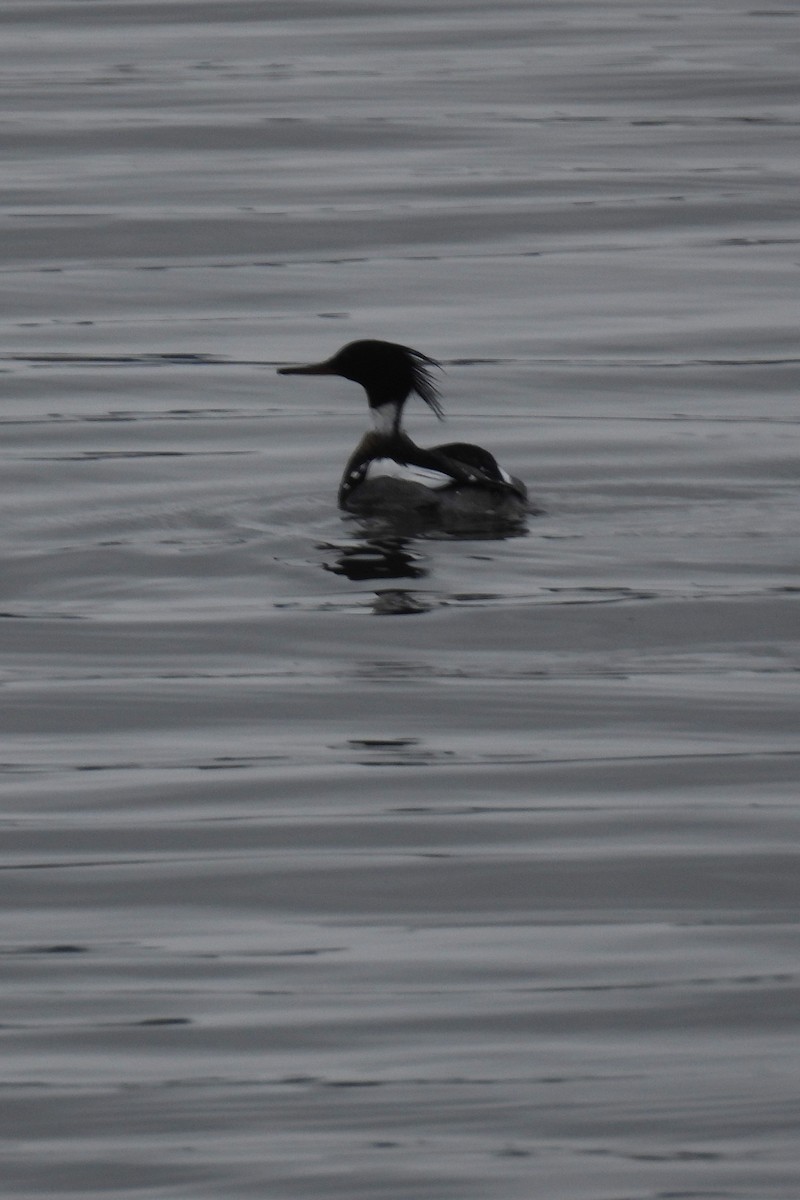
(388, 373)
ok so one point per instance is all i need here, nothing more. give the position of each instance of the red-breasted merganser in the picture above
(387, 472)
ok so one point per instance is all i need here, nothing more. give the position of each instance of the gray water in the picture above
(338, 863)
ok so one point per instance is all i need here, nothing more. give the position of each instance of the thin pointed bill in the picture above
(320, 368)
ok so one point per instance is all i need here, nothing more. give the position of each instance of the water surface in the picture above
(345, 863)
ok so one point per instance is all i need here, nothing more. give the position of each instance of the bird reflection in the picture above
(375, 558)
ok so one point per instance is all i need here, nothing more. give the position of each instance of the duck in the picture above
(388, 472)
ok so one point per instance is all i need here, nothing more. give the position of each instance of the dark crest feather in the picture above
(424, 383)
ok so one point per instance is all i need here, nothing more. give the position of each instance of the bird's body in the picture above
(388, 473)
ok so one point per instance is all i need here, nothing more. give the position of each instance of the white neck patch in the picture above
(384, 418)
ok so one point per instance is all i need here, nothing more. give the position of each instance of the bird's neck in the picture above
(386, 417)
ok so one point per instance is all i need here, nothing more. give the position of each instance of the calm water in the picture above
(339, 863)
